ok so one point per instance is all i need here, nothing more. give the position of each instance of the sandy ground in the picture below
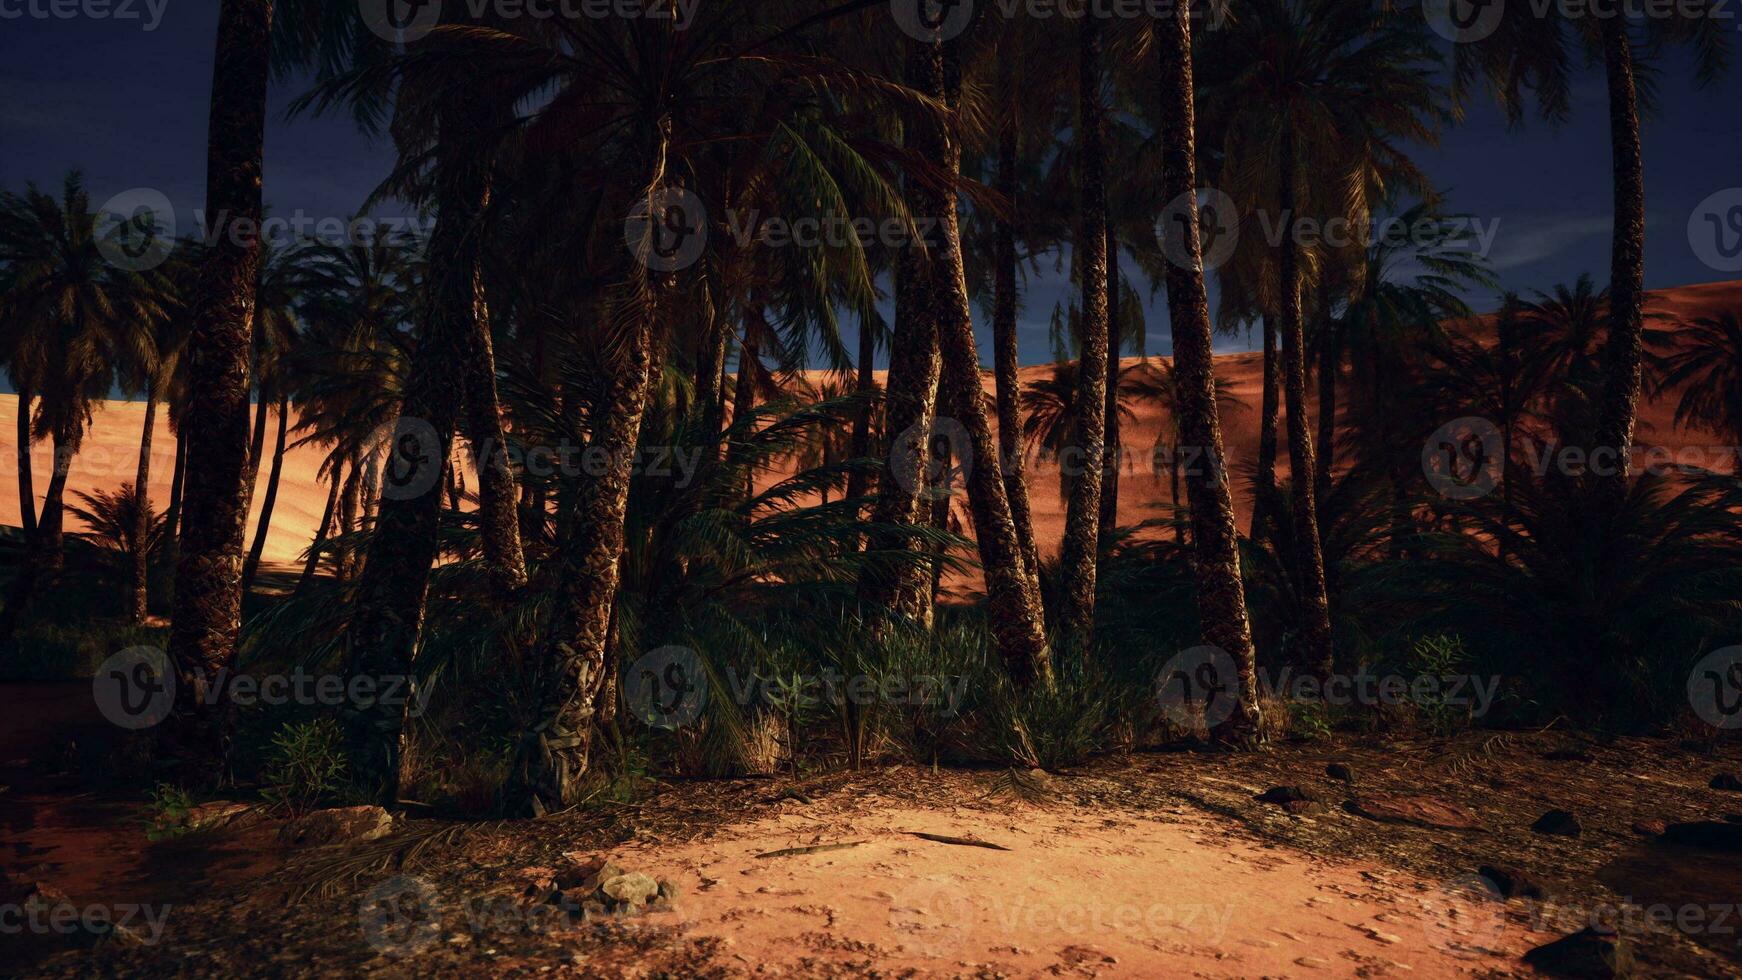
(110, 453)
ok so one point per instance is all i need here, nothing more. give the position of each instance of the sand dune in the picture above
(110, 453)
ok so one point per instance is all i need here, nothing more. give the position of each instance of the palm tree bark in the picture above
(1626, 261)
(394, 582)
(46, 552)
(26, 476)
(264, 525)
(1005, 351)
(1221, 600)
(256, 450)
(137, 568)
(1315, 634)
(1330, 361)
(1109, 517)
(1270, 408)
(555, 752)
(498, 517)
(1083, 511)
(859, 481)
(321, 532)
(172, 516)
(208, 597)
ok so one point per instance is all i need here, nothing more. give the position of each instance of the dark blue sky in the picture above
(128, 107)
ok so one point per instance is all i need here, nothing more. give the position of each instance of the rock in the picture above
(1339, 771)
(1726, 781)
(72, 921)
(1304, 808)
(668, 891)
(634, 888)
(1283, 795)
(1567, 755)
(1706, 834)
(577, 869)
(1587, 953)
(1561, 823)
(344, 825)
(1421, 811)
(1648, 828)
(1512, 883)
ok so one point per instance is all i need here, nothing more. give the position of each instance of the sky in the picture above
(125, 101)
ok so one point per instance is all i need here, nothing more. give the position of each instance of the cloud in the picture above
(1521, 243)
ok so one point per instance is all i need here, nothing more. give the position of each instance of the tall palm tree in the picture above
(1706, 363)
(1328, 90)
(1089, 254)
(77, 317)
(1221, 600)
(208, 582)
(1526, 52)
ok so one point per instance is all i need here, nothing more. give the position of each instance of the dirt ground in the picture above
(1144, 865)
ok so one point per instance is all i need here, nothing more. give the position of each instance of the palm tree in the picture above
(1221, 600)
(114, 520)
(1326, 89)
(1707, 365)
(1083, 513)
(208, 582)
(1526, 51)
(77, 317)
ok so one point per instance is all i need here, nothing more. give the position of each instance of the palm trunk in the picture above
(350, 507)
(498, 518)
(208, 597)
(256, 449)
(172, 517)
(1109, 518)
(1315, 634)
(26, 478)
(137, 571)
(46, 553)
(1221, 600)
(1083, 510)
(314, 549)
(1330, 362)
(555, 752)
(264, 525)
(1627, 261)
(1270, 406)
(859, 481)
(1006, 355)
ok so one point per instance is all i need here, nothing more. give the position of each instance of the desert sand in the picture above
(110, 453)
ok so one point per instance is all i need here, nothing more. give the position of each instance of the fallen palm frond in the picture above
(812, 849)
(326, 874)
(959, 841)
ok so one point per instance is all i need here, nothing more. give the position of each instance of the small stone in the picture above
(1384, 937)
(1311, 962)
(1560, 823)
(1587, 953)
(1289, 794)
(1339, 771)
(1304, 808)
(1726, 781)
(1422, 811)
(1567, 755)
(668, 891)
(634, 888)
(1648, 828)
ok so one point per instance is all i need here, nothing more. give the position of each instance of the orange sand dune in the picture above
(110, 453)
